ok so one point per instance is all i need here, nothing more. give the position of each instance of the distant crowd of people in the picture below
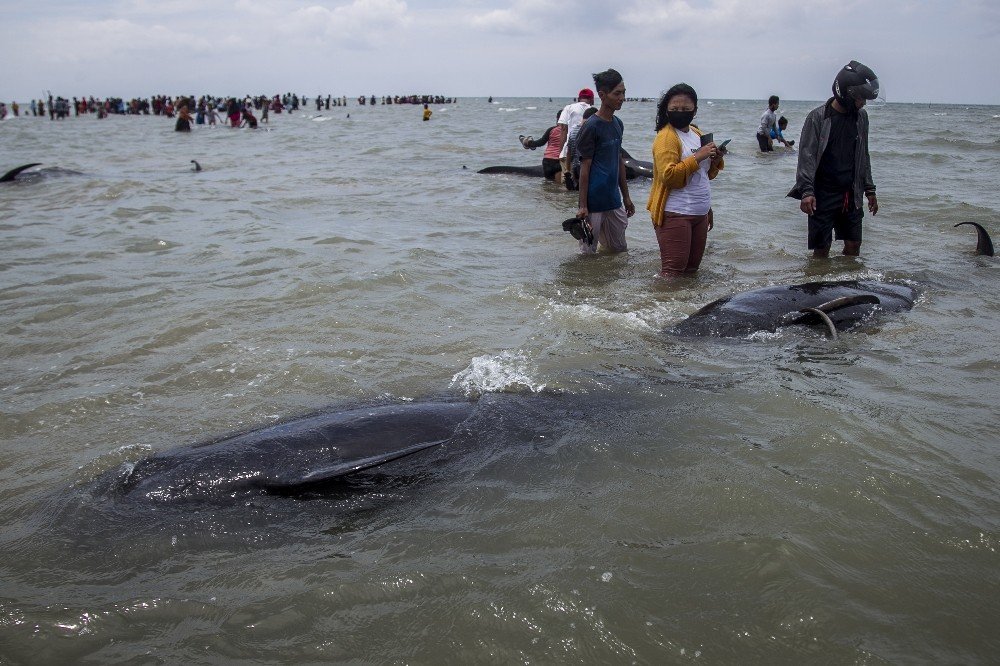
(403, 99)
(59, 108)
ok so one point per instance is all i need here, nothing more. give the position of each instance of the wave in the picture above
(506, 371)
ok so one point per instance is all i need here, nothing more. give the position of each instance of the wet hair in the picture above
(782, 120)
(675, 90)
(773, 99)
(589, 112)
(607, 80)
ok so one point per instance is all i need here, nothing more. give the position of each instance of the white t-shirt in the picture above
(768, 120)
(571, 116)
(695, 198)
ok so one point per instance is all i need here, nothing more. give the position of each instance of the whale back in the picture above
(292, 455)
(770, 308)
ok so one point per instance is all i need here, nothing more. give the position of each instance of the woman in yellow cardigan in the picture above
(680, 200)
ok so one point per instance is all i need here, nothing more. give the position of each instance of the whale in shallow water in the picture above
(984, 244)
(291, 456)
(633, 169)
(834, 305)
(22, 175)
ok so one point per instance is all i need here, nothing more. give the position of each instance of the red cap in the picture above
(586, 92)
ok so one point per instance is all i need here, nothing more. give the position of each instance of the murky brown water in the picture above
(619, 495)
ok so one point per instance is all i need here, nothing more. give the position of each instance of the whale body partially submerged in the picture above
(22, 174)
(287, 457)
(633, 169)
(835, 305)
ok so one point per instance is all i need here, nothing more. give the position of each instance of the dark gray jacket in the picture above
(812, 143)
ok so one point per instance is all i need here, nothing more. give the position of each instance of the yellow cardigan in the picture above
(670, 172)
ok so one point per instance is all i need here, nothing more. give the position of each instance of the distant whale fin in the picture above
(197, 167)
(984, 244)
(826, 320)
(350, 466)
(12, 174)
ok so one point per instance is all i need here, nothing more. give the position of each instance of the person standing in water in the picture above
(768, 123)
(572, 181)
(605, 204)
(680, 199)
(184, 119)
(834, 168)
(427, 111)
(569, 118)
(552, 140)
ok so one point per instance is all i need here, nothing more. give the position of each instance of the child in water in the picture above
(777, 133)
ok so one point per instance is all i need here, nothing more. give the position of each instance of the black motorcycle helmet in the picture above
(855, 81)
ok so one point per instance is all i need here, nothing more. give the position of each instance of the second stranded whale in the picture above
(835, 305)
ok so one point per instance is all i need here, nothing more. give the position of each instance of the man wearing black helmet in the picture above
(834, 168)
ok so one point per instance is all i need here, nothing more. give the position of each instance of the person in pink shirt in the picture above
(552, 140)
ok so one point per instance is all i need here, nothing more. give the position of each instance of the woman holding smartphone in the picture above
(680, 199)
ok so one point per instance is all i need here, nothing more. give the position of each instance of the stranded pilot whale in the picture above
(984, 244)
(22, 175)
(837, 305)
(633, 168)
(290, 456)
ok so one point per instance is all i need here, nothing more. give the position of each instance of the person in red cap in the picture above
(571, 116)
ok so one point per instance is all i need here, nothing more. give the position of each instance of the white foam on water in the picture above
(585, 312)
(505, 371)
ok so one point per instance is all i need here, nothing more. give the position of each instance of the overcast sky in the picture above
(922, 51)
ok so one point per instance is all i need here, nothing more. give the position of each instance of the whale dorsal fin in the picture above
(12, 174)
(984, 244)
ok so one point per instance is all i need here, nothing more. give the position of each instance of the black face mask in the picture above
(680, 119)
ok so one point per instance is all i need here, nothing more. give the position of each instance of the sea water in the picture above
(622, 496)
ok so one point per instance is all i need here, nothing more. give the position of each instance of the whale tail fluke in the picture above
(984, 244)
(12, 174)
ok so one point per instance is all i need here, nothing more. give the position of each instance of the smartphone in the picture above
(707, 138)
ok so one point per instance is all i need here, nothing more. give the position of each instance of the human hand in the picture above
(872, 203)
(808, 205)
(708, 151)
(629, 207)
(582, 213)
